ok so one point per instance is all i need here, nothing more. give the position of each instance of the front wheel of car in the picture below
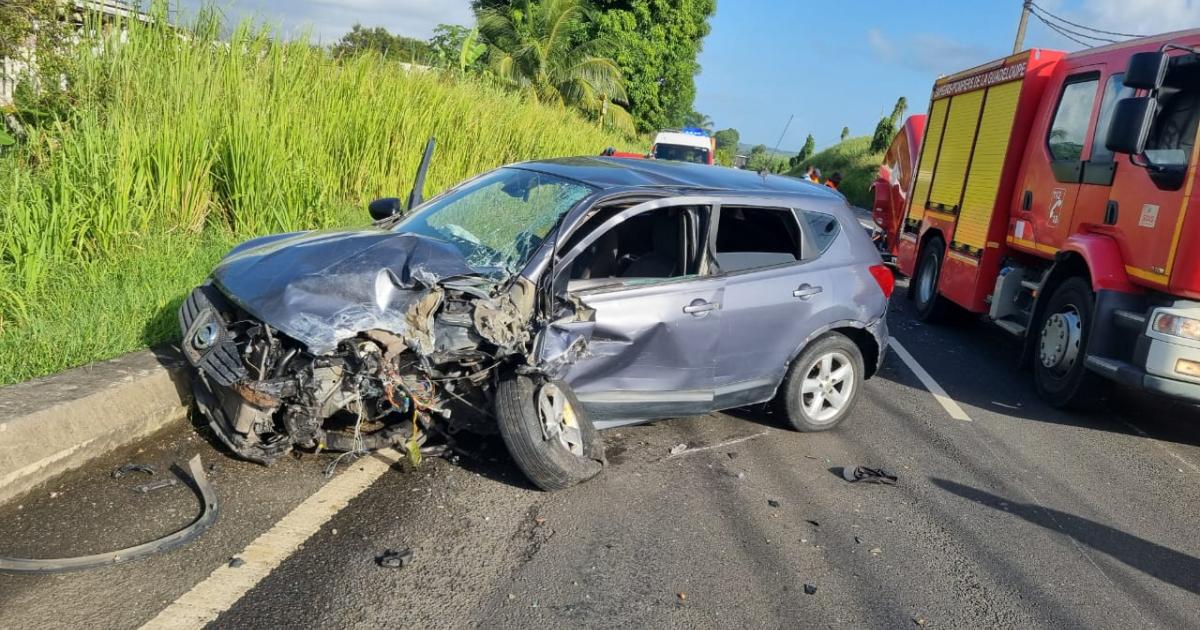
(822, 384)
(547, 432)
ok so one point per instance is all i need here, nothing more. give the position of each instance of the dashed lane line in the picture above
(226, 585)
(934, 388)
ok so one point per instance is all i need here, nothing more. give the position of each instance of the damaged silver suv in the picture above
(544, 300)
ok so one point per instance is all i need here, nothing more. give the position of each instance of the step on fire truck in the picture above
(1053, 193)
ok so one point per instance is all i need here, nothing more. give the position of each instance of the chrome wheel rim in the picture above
(827, 387)
(558, 419)
(1058, 345)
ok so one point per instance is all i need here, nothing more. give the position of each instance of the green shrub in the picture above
(858, 165)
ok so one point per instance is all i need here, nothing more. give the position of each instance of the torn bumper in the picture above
(879, 330)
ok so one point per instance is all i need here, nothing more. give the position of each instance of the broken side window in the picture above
(752, 238)
(657, 244)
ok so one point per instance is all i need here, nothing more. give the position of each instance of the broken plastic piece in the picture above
(395, 559)
(146, 488)
(208, 516)
(125, 469)
(868, 475)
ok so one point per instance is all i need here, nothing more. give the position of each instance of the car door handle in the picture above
(699, 307)
(806, 291)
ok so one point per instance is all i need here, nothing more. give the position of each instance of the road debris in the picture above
(236, 562)
(810, 589)
(126, 469)
(875, 551)
(208, 516)
(682, 596)
(682, 449)
(773, 503)
(395, 558)
(920, 621)
(147, 488)
(813, 523)
(868, 475)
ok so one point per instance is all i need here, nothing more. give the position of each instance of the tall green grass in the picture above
(178, 145)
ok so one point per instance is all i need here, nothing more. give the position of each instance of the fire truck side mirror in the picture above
(1131, 124)
(1146, 70)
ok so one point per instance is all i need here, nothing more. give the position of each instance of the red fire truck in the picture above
(1053, 193)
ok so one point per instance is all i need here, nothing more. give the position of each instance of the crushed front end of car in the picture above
(349, 341)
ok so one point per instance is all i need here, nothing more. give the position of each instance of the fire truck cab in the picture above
(1053, 194)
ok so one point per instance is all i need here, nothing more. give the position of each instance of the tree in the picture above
(457, 47)
(537, 47)
(845, 133)
(657, 43)
(806, 151)
(698, 120)
(727, 139)
(378, 39)
(885, 131)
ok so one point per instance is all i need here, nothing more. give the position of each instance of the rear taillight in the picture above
(884, 278)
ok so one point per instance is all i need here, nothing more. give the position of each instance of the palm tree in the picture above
(698, 120)
(534, 46)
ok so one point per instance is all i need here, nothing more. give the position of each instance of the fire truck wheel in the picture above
(822, 384)
(931, 307)
(1061, 345)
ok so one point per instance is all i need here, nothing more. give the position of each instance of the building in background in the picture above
(110, 12)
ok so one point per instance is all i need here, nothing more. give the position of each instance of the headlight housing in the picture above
(1176, 326)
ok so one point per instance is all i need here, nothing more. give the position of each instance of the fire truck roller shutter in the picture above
(987, 163)
(929, 151)
(961, 125)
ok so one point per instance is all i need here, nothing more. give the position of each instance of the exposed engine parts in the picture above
(264, 393)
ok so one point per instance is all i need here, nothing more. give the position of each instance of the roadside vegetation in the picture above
(856, 161)
(121, 193)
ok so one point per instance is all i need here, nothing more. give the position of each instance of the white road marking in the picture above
(939, 394)
(225, 586)
(689, 451)
(1139, 431)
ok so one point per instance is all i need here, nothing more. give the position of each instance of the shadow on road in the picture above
(1155, 560)
(979, 365)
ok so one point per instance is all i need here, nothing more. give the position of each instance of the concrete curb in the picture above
(56, 423)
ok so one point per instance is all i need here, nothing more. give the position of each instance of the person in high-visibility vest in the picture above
(834, 180)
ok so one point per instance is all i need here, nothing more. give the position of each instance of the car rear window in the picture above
(822, 229)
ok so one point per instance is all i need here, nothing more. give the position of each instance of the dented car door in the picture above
(651, 341)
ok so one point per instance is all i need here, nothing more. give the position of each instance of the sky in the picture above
(768, 60)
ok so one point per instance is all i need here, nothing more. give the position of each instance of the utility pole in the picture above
(1020, 42)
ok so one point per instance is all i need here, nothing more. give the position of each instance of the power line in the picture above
(1068, 33)
(1062, 29)
(1086, 28)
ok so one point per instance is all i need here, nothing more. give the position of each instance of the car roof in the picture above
(611, 173)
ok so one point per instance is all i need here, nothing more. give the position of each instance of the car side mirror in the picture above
(1131, 125)
(384, 208)
(1146, 70)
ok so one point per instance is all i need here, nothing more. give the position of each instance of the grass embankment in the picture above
(858, 165)
(174, 150)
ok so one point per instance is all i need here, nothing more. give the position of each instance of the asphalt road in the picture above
(1021, 516)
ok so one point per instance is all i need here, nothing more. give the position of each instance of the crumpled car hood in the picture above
(322, 287)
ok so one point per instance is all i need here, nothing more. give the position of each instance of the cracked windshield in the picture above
(497, 221)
